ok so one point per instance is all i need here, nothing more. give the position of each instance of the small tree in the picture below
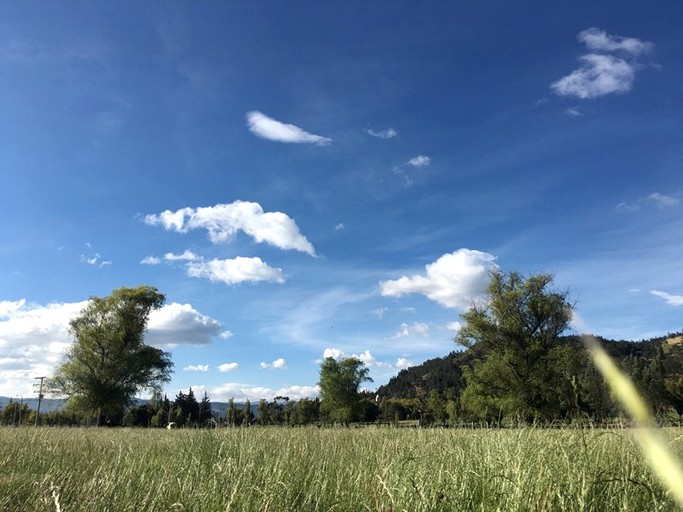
(109, 363)
(339, 389)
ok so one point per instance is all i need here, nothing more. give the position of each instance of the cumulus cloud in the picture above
(419, 161)
(224, 221)
(33, 337)
(268, 128)
(185, 256)
(235, 271)
(453, 281)
(365, 357)
(180, 324)
(454, 326)
(196, 368)
(655, 199)
(241, 392)
(672, 300)
(411, 330)
(334, 353)
(402, 363)
(601, 72)
(278, 363)
(228, 367)
(389, 133)
(226, 335)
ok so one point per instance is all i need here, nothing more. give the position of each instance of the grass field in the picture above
(260, 469)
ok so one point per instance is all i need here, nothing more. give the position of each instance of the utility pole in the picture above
(40, 397)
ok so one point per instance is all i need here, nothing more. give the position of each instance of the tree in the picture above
(108, 362)
(339, 389)
(515, 337)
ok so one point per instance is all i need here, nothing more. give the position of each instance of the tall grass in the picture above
(275, 469)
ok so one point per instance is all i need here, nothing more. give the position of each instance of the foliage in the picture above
(109, 363)
(515, 334)
(339, 389)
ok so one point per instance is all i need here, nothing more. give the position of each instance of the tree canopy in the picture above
(339, 389)
(521, 368)
(108, 362)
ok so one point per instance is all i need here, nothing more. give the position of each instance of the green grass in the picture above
(317, 469)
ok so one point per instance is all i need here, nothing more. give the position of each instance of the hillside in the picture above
(444, 374)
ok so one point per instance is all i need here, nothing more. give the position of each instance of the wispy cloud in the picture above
(185, 256)
(150, 260)
(415, 163)
(389, 133)
(236, 270)
(601, 72)
(278, 363)
(655, 199)
(673, 300)
(228, 367)
(224, 221)
(94, 259)
(453, 281)
(573, 112)
(600, 41)
(268, 128)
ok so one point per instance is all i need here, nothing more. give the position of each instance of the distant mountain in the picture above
(57, 404)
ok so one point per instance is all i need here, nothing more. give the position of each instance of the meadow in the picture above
(311, 469)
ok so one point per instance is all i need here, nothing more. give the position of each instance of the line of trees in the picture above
(518, 366)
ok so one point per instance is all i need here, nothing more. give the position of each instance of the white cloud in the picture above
(278, 363)
(454, 280)
(672, 300)
(235, 271)
(600, 41)
(655, 199)
(196, 368)
(226, 335)
(601, 73)
(223, 221)
(379, 312)
(268, 128)
(228, 367)
(151, 260)
(339, 227)
(573, 112)
(33, 338)
(454, 326)
(419, 161)
(402, 363)
(412, 330)
(242, 392)
(365, 357)
(334, 353)
(185, 256)
(95, 260)
(598, 75)
(389, 133)
(180, 324)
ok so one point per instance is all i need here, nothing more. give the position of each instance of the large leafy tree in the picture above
(522, 369)
(108, 362)
(339, 389)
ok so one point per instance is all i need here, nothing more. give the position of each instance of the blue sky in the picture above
(331, 179)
